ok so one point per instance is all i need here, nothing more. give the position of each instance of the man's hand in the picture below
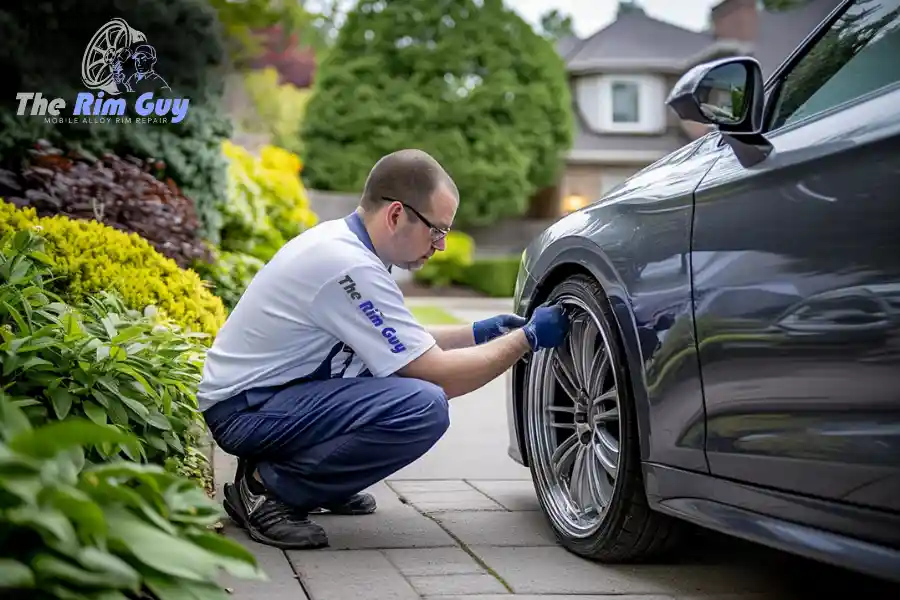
(547, 328)
(492, 328)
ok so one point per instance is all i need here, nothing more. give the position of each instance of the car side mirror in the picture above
(727, 93)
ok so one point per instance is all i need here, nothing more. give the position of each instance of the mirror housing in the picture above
(728, 93)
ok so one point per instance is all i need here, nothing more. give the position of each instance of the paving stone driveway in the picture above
(463, 523)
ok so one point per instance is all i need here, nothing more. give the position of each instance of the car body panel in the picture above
(648, 286)
(802, 382)
(766, 367)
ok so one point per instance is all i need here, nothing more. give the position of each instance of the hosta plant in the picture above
(75, 530)
(96, 360)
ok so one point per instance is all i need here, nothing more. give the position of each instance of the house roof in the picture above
(636, 40)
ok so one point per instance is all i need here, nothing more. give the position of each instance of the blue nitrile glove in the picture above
(547, 328)
(494, 327)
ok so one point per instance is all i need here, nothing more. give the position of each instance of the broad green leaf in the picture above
(236, 559)
(94, 412)
(35, 362)
(14, 574)
(13, 420)
(52, 525)
(52, 438)
(62, 402)
(165, 588)
(96, 559)
(79, 507)
(159, 420)
(159, 550)
(53, 567)
(139, 409)
(128, 334)
(117, 413)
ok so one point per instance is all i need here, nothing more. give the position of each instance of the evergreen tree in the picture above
(468, 81)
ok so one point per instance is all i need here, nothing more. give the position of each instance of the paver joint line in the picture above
(486, 495)
(462, 545)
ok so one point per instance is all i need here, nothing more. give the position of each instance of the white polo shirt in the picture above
(325, 306)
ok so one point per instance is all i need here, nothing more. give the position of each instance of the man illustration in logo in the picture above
(145, 78)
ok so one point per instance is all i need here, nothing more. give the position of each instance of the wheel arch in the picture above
(586, 258)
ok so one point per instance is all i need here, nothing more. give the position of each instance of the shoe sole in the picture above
(232, 501)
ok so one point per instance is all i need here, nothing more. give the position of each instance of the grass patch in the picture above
(433, 315)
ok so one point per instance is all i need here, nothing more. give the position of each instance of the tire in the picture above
(626, 529)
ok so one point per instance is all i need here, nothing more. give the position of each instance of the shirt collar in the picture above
(356, 225)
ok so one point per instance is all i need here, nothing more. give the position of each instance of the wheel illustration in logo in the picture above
(105, 55)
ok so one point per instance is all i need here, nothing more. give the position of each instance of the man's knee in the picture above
(431, 403)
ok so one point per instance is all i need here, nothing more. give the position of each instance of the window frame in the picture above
(774, 85)
(638, 88)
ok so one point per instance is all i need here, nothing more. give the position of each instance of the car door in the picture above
(796, 272)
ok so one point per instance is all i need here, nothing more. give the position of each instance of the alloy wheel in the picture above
(574, 430)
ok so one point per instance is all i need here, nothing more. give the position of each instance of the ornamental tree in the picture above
(468, 81)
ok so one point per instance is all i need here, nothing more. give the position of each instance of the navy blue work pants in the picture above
(319, 442)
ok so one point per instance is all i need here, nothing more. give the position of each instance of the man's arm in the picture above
(450, 337)
(464, 370)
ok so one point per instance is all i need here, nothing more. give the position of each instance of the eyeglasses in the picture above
(437, 233)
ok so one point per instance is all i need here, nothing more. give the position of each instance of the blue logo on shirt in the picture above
(373, 314)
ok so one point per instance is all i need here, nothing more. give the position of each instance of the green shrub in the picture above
(230, 273)
(72, 530)
(266, 204)
(88, 258)
(97, 360)
(41, 50)
(493, 276)
(469, 82)
(447, 267)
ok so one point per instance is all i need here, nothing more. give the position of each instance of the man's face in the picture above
(416, 241)
(143, 61)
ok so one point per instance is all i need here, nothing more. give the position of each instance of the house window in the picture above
(625, 102)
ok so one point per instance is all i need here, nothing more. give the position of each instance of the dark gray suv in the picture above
(734, 360)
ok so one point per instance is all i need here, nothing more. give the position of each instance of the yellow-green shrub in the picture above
(277, 108)
(267, 203)
(447, 267)
(90, 257)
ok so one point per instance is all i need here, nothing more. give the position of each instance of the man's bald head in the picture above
(409, 176)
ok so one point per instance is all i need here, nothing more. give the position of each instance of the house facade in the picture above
(621, 75)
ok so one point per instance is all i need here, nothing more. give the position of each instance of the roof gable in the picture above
(635, 39)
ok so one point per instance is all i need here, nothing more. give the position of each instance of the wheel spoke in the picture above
(606, 449)
(587, 353)
(575, 345)
(600, 487)
(606, 416)
(597, 373)
(565, 376)
(610, 394)
(563, 454)
(579, 484)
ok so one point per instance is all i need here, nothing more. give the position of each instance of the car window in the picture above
(856, 56)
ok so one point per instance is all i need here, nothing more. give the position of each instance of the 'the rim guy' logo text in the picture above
(118, 60)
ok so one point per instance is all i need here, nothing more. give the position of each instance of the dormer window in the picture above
(626, 105)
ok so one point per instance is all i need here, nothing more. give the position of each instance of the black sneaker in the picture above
(357, 504)
(268, 520)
